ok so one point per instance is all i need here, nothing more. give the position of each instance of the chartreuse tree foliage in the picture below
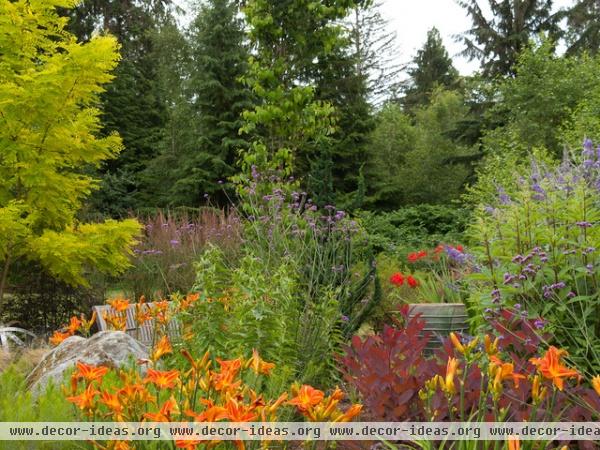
(49, 86)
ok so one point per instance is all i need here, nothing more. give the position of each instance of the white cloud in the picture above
(411, 19)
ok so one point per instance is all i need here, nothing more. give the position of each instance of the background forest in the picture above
(202, 98)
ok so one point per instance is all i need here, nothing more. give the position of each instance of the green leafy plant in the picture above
(538, 251)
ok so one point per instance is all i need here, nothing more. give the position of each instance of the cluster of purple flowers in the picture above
(550, 289)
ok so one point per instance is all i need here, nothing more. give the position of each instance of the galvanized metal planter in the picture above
(440, 320)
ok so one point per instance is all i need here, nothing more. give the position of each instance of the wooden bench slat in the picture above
(143, 333)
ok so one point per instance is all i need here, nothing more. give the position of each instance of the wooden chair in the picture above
(144, 333)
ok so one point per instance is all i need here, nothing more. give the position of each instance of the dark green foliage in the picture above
(341, 85)
(497, 41)
(361, 301)
(431, 67)
(583, 27)
(132, 104)
(217, 95)
(41, 303)
(538, 103)
(418, 227)
(424, 162)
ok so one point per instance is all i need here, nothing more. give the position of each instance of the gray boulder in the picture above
(106, 348)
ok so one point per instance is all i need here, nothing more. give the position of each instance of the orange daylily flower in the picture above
(161, 348)
(85, 400)
(162, 379)
(258, 365)
(502, 371)
(307, 397)
(188, 445)
(164, 413)
(89, 372)
(74, 325)
(188, 301)
(113, 403)
(119, 304)
(350, 414)
(142, 313)
(210, 414)
(58, 337)
(451, 371)
(514, 443)
(238, 412)
(224, 380)
(550, 367)
(596, 384)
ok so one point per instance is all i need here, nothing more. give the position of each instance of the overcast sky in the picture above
(411, 19)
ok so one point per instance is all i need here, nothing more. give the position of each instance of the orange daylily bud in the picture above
(596, 384)
(457, 344)
(491, 348)
(451, 371)
(514, 443)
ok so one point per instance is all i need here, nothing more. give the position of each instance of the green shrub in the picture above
(538, 250)
(18, 405)
(407, 229)
(295, 293)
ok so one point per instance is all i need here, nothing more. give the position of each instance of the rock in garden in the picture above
(108, 348)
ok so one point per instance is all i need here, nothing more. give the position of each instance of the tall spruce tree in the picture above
(431, 68)
(219, 59)
(583, 27)
(341, 84)
(131, 105)
(374, 48)
(497, 40)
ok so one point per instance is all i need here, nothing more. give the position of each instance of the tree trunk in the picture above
(4, 277)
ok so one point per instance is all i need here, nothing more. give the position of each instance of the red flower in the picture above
(459, 248)
(415, 256)
(439, 249)
(412, 281)
(397, 279)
